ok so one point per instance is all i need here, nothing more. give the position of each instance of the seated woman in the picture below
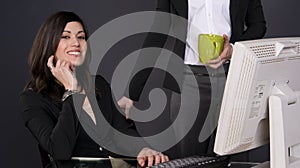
(57, 103)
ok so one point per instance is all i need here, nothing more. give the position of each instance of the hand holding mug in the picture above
(224, 56)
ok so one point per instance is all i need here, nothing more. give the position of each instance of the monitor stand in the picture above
(284, 120)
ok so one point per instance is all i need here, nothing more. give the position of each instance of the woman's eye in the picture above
(65, 37)
(81, 37)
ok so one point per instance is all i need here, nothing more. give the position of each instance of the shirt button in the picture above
(100, 148)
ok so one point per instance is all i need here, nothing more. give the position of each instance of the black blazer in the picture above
(56, 126)
(247, 22)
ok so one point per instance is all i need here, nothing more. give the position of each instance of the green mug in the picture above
(210, 46)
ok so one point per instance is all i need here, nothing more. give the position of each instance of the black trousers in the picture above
(195, 111)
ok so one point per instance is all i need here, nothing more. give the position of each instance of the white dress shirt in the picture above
(205, 17)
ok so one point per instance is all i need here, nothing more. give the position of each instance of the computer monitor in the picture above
(261, 101)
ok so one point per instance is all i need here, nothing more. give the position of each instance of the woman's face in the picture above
(72, 45)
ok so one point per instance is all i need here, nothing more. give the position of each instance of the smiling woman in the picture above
(72, 46)
(58, 63)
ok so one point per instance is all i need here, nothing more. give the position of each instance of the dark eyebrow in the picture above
(81, 31)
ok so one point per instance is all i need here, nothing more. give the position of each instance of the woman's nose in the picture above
(75, 41)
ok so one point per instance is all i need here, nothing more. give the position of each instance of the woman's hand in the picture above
(151, 156)
(63, 71)
(224, 56)
(125, 104)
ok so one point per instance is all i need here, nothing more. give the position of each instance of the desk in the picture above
(87, 162)
(249, 165)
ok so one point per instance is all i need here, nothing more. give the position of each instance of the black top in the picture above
(56, 126)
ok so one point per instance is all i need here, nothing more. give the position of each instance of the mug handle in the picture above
(215, 48)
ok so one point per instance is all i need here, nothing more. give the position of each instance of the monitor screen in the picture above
(258, 70)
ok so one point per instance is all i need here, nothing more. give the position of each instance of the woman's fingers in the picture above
(149, 157)
(50, 62)
(63, 72)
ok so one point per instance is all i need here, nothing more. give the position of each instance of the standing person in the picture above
(56, 102)
(235, 20)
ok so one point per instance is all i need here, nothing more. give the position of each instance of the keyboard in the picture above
(196, 162)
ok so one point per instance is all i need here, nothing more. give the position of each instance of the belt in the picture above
(202, 70)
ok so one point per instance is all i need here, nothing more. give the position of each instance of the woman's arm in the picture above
(124, 127)
(55, 130)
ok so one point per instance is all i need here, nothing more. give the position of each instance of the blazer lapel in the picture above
(181, 6)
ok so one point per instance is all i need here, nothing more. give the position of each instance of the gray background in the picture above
(20, 21)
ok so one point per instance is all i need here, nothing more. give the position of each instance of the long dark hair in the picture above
(45, 45)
